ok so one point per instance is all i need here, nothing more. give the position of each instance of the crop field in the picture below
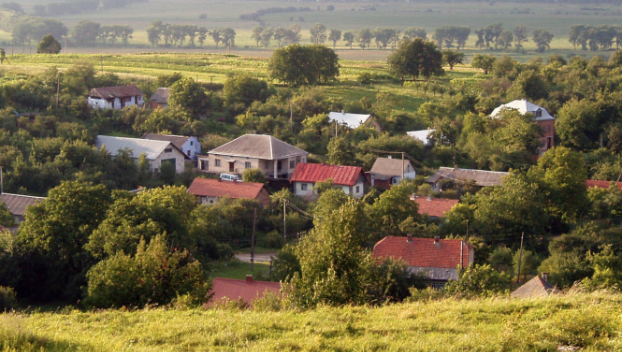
(590, 322)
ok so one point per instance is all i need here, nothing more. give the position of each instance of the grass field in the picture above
(590, 322)
(239, 270)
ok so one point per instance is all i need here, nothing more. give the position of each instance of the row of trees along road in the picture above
(88, 33)
(160, 33)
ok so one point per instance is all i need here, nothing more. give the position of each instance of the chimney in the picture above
(249, 279)
(410, 238)
(545, 276)
(436, 239)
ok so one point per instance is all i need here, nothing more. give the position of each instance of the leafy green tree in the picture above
(391, 209)
(349, 37)
(484, 62)
(227, 37)
(155, 274)
(318, 33)
(528, 263)
(286, 264)
(334, 36)
(86, 32)
(501, 259)
(256, 34)
(363, 38)
(6, 218)
(253, 175)
(506, 39)
(607, 270)
(304, 65)
(452, 58)
(413, 32)
(389, 280)
(579, 123)
(478, 280)
(340, 151)
(415, 58)
(542, 38)
(520, 36)
(245, 89)
(48, 45)
(167, 80)
(188, 95)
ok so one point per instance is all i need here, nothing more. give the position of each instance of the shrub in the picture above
(270, 302)
(478, 280)
(364, 78)
(7, 299)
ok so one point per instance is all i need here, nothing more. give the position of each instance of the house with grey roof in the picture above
(479, 178)
(115, 97)
(275, 158)
(159, 99)
(17, 204)
(187, 144)
(156, 152)
(388, 171)
(534, 288)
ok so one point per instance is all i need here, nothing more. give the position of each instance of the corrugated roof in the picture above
(351, 120)
(481, 177)
(536, 287)
(17, 203)
(422, 135)
(116, 92)
(178, 141)
(258, 146)
(424, 252)
(386, 167)
(436, 206)
(151, 148)
(523, 107)
(248, 290)
(160, 96)
(340, 174)
(204, 187)
(601, 184)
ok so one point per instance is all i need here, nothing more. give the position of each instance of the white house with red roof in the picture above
(351, 179)
(210, 191)
(437, 260)
(247, 290)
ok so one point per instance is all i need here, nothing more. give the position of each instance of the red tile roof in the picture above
(341, 175)
(436, 206)
(425, 252)
(247, 290)
(204, 187)
(601, 184)
(118, 92)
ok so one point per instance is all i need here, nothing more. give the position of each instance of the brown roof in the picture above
(341, 175)
(248, 289)
(435, 206)
(425, 252)
(177, 141)
(258, 146)
(387, 168)
(601, 184)
(480, 177)
(160, 96)
(17, 204)
(203, 187)
(116, 92)
(536, 287)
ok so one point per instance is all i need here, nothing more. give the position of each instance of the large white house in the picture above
(187, 144)
(115, 97)
(156, 152)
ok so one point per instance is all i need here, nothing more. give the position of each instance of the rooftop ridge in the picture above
(451, 168)
(22, 195)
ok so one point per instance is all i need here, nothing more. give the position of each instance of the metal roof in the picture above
(160, 96)
(387, 168)
(177, 141)
(422, 135)
(480, 177)
(436, 207)
(523, 107)
(536, 287)
(341, 175)
(351, 120)
(151, 148)
(259, 146)
(116, 92)
(17, 203)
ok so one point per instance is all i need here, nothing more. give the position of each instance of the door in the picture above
(232, 166)
(172, 162)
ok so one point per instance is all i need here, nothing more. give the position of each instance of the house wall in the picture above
(266, 166)
(174, 154)
(349, 190)
(116, 103)
(191, 148)
(96, 103)
(548, 131)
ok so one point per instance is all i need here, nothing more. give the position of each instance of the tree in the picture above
(415, 58)
(542, 38)
(266, 36)
(334, 36)
(391, 210)
(245, 89)
(348, 37)
(6, 218)
(256, 34)
(188, 95)
(484, 62)
(607, 270)
(86, 32)
(304, 65)
(520, 36)
(227, 36)
(48, 45)
(452, 57)
(363, 37)
(279, 34)
(253, 175)
(478, 280)
(340, 151)
(13, 6)
(318, 33)
(579, 123)
(506, 39)
(413, 32)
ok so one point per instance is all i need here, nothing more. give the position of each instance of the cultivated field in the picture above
(587, 321)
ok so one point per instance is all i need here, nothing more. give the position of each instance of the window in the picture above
(266, 164)
(232, 166)
(168, 150)
(217, 162)
(297, 159)
(292, 164)
(539, 113)
(247, 165)
(303, 186)
(357, 189)
(191, 143)
(548, 128)
(204, 164)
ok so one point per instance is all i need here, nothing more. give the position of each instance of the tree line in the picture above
(595, 38)
(89, 33)
(165, 34)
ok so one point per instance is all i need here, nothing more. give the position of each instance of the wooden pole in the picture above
(284, 220)
(520, 257)
(253, 240)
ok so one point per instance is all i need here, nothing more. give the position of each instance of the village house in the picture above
(246, 290)
(388, 171)
(434, 207)
(210, 191)
(535, 288)
(350, 179)
(601, 184)
(541, 117)
(436, 260)
(422, 135)
(17, 204)
(156, 152)
(275, 158)
(115, 97)
(353, 120)
(159, 99)
(188, 145)
(479, 178)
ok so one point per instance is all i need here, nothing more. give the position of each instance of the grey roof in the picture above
(523, 107)
(387, 168)
(258, 146)
(536, 287)
(422, 135)
(116, 92)
(151, 148)
(160, 96)
(440, 274)
(17, 203)
(480, 177)
(177, 141)
(351, 120)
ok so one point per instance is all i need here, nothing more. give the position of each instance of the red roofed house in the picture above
(247, 290)
(435, 259)
(434, 207)
(115, 97)
(601, 184)
(209, 191)
(351, 179)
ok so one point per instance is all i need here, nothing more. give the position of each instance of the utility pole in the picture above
(520, 257)
(284, 220)
(291, 116)
(57, 87)
(253, 240)
(1, 181)
(102, 62)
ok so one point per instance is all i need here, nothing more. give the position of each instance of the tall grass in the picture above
(589, 321)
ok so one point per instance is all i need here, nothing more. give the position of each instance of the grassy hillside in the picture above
(590, 321)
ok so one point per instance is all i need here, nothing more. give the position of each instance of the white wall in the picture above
(174, 154)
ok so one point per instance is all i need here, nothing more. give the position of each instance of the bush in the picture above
(270, 302)
(8, 300)
(478, 280)
(364, 78)
(271, 240)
